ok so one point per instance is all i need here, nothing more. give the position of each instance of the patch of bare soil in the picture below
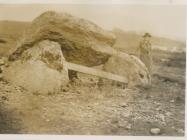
(86, 107)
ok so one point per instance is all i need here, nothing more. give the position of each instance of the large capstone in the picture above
(40, 69)
(80, 40)
(130, 67)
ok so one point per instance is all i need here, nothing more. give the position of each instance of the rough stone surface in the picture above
(80, 40)
(130, 67)
(40, 69)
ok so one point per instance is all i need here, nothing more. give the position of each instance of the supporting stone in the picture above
(40, 69)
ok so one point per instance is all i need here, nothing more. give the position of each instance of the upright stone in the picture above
(129, 67)
(40, 69)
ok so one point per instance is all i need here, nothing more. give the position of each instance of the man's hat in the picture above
(147, 35)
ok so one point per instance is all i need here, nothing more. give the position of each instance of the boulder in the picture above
(40, 69)
(130, 67)
(79, 39)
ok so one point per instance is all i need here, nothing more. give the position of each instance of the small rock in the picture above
(168, 113)
(78, 92)
(155, 131)
(162, 117)
(47, 120)
(17, 88)
(129, 126)
(6, 65)
(2, 62)
(65, 90)
(122, 123)
(164, 60)
(172, 101)
(180, 130)
(89, 107)
(4, 98)
(92, 80)
(2, 68)
(158, 109)
(156, 103)
(114, 121)
(124, 105)
(7, 90)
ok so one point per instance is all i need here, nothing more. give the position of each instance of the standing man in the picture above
(145, 52)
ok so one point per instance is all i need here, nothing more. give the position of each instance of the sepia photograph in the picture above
(92, 69)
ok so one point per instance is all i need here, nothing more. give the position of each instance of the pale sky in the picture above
(161, 20)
